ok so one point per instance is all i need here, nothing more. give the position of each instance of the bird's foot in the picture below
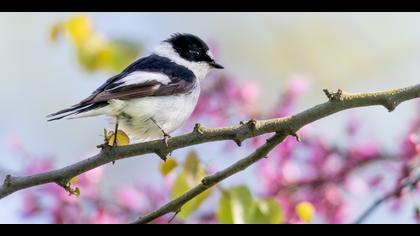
(166, 137)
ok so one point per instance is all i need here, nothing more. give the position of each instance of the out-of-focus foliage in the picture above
(238, 206)
(305, 211)
(300, 182)
(72, 191)
(94, 51)
(73, 180)
(191, 175)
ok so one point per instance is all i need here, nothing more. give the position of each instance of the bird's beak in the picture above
(215, 65)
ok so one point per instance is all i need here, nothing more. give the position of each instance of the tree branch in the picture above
(410, 183)
(207, 182)
(282, 126)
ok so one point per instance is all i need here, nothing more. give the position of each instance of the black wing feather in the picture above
(182, 80)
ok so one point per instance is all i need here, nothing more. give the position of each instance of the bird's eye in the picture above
(194, 52)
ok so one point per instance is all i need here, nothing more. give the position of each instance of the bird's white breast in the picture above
(169, 112)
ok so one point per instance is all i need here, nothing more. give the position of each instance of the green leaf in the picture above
(224, 211)
(73, 181)
(234, 205)
(125, 52)
(190, 176)
(266, 211)
(182, 185)
(95, 51)
(237, 206)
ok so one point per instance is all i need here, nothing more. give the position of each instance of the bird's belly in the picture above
(141, 117)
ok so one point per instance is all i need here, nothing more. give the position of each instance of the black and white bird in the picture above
(153, 96)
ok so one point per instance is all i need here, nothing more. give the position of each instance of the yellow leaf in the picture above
(73, 180)
(76, 192)
(167, 166)
(55, 31)
(79, 28)
(122, 138)
(305, 211)
(191, 164)
(71, 191)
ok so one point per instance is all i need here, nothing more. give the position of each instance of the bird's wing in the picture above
(143, 84)
(148, 76)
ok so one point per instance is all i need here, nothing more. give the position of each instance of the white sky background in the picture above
(353, 51)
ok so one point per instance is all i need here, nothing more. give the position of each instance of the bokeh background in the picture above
(357, 52)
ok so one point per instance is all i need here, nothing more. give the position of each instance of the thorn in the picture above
(163, 155)
(390, 105)
(173, 217)
(199, 128)
(7, 180)
(205, 182)
(252, 123)
(238, 142)
(339, 95)
(166, 137)
(327, 93)
(296, 136)
(334, 96)
(102, 146)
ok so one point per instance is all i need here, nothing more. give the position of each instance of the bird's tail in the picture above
(75, 110)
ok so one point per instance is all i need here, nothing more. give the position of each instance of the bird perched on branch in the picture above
(154, 95)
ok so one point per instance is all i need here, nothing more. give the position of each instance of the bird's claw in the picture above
(166, 137)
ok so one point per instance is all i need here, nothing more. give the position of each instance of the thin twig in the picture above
(395, 192)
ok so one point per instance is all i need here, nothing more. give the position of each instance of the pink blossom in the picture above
(356, 186)
(365, 151)
(353, 126)
(131, 198)
(375, 181)
(291, 172)
(31, 205)
(333, 194)
(92, 177)
(101, 216)
(410, 146)
(333, 164)
(312, 170)
(297, 85)
(13, 142)
(250, 92)
(38, 166)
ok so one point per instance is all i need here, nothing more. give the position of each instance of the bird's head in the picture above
(190, 51)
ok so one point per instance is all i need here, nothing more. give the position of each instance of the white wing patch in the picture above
(140, 77)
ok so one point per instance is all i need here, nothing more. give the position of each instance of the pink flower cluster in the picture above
(313, 170)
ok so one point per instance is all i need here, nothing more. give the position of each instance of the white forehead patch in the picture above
(200, 69)
(210, 54)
